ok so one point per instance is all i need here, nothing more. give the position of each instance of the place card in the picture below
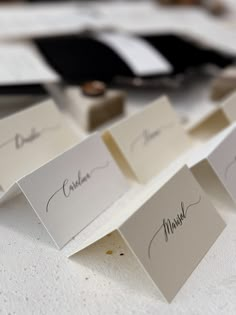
(217, 118)
(218, 155)
(21, 63)
(72, 190)
(30, 138)
(147, 142)
(170, 232)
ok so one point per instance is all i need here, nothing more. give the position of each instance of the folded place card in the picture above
(30, 138)
(170, 232)
(147, 142)
(218, 155)
(218, 118)
(72, 190)
(229, 107)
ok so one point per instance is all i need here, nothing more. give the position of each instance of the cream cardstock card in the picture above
(72, 190)
(229, 107)
(170, 232)
(145, 143)
(27, 20)
(218, 118)
(31, 138)
(219, 154)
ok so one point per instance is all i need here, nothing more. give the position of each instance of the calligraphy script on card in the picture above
(70, 186)
(20, 140)
(169, 226)
(147, 136)
(229, 167)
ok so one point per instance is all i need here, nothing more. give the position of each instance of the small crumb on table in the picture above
(109, 252)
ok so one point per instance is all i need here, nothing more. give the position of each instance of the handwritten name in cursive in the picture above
(70, 186)
(169, 226)
(20, 140)
(147, 136)
(228, 168)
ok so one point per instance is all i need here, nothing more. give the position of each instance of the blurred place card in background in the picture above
(147, 142)
(170, 232)
(216, 161)
(30, 138)
(149, 17)
(141, 57)
(27, 20)
(229, 107)
(217, 118)
(21, 63)
(71, 191)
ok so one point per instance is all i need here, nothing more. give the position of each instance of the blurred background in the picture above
(69, 50)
